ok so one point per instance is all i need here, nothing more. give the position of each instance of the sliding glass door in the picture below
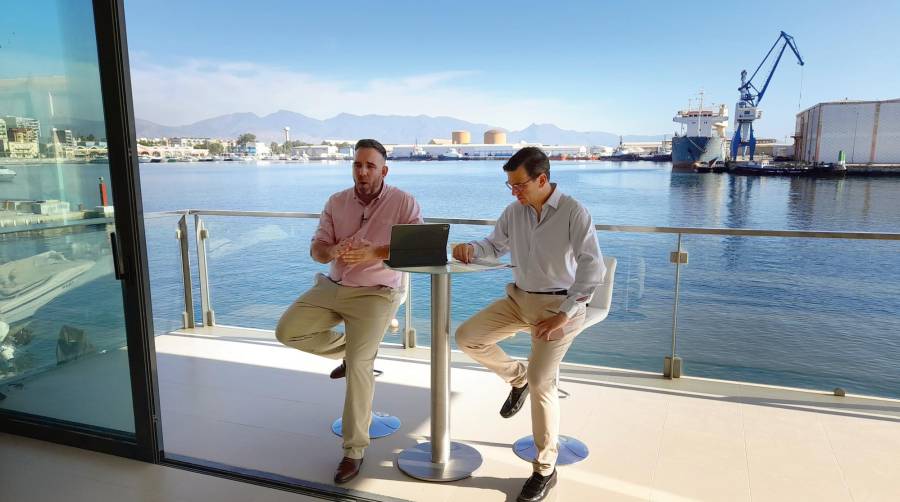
(72, 303)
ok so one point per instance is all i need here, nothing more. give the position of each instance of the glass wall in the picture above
(62, 328)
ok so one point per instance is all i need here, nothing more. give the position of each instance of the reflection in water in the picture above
(802, 202)
(740, 195)
(698, 196)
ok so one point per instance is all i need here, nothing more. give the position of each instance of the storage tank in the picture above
(461, 137)
(495, 137)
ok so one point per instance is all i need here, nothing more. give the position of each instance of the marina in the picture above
(730, 270)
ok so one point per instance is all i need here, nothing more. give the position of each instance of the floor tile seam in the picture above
(834, 457)
(746, 454)
(659, 445)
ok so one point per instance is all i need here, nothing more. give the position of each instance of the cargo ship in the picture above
(701, 142)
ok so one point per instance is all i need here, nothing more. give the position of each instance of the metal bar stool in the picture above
(383, 424)
(571, 450)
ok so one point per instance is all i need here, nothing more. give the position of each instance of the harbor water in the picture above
(813, 313)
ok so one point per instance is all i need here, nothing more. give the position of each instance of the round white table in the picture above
(441, 459)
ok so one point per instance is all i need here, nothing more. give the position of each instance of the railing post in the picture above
(209, 316)
(409, 338)
(672, 364)
(181, 233)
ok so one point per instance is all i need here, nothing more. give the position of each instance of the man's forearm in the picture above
(321, 252)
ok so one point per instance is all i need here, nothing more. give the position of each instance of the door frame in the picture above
(130, 260)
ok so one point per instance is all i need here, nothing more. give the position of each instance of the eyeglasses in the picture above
(518, 187)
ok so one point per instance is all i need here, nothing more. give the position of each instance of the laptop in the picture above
(418, 245)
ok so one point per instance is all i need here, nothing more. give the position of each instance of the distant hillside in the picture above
(386, 128)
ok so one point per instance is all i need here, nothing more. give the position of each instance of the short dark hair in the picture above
(371, 143)
(532, 158)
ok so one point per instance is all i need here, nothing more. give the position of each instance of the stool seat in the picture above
(382, 425)
(572, 450)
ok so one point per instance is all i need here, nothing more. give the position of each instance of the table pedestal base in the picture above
(416, 462)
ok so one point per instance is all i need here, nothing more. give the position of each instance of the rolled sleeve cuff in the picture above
(479, 251)
(569, 307)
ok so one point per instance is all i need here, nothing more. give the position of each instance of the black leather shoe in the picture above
(340, 371)
(514, 401)
(347, 469)
(537, 487)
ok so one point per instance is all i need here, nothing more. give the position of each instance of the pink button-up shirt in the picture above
(346, 216)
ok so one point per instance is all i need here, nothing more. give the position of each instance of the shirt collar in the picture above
(553, 201)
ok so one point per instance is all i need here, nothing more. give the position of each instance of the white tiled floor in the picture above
(238, 398)
(35, 471)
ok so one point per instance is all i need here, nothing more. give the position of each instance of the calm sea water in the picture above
(816, 313)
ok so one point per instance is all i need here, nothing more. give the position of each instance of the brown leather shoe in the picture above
(340, 371)
(347, 469)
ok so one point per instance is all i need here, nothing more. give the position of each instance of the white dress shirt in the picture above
(559, 252)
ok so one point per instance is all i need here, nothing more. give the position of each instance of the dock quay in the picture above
(804, 169)
(29, 213)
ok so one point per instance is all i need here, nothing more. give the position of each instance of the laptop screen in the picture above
(419, 245)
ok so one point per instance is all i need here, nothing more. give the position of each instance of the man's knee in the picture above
(282, 333)
(290, 331)
(466, 337)
(540, 379)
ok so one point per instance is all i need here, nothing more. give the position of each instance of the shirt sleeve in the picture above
(325, 232)
(497, 244)
(589, 267)
(412, 214)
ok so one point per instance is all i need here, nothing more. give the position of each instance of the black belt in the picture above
(561, 292)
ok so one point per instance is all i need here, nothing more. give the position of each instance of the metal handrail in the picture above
(672, 364)
(737, 232)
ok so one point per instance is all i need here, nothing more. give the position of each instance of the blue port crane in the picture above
(746, 109)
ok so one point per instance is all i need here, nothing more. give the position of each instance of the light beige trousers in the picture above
(308, 325)
(521, 311)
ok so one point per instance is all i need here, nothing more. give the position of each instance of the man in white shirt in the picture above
(557, 265)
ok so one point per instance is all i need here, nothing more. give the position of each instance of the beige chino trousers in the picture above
(308, 324)
(521, 311)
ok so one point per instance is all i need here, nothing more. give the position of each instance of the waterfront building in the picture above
(20, 144)
(3, 139)
(865, 131)
(171, 151)
(262, 149)
(316, 152)
(187, 142)
(62, 136)
(31, 125)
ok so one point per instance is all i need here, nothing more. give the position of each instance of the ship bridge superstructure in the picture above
(703, 123)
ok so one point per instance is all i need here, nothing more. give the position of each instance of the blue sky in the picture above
(622, 67)
(48, 47)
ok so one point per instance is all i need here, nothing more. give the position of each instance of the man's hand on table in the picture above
(464, 252)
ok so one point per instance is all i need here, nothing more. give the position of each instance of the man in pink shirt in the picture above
(353, 237)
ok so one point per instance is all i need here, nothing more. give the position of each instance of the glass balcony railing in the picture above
(805, 309)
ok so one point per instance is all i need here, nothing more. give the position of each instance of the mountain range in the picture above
(391, 129)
